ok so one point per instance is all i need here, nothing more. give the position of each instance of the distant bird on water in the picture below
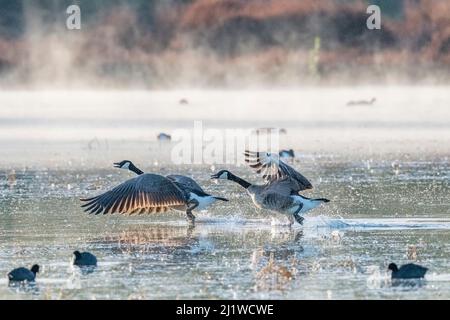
(407, 271)
(287, 154)
(188, 184)
(84, 259)
(281, 191)
(164, 137)
(23, 274)
(184, 101)
(362, 102)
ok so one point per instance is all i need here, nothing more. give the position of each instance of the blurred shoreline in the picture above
(223, 44)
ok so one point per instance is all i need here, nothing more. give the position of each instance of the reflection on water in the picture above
(151, 239)
(138, 259)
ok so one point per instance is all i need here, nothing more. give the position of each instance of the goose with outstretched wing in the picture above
(151, 193)
(280, 193)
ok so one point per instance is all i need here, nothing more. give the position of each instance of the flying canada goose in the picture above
(84, 259)
(281, 191)
(151, 193)
(23, 274)
(407, 271)
(362, 102)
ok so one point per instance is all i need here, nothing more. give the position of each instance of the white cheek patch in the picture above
(126, 166)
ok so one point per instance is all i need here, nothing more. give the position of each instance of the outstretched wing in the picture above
(147, 193)
(285, 186)
(186, 182)
(272, 168)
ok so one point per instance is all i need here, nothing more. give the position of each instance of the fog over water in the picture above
(51, 126)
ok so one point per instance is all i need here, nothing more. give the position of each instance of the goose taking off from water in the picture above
(281, 191)
(151, 193)
(407, 271)
(23, 274)
(164, 137)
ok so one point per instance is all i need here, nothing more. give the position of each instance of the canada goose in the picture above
(23, 274)
(281, 191)
(362, 102)
(185, 183)
(84, 259)
(163, 137)
(407, 271)
(287, 154)
(151, 193)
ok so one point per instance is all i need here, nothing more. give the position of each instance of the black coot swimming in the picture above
(84, 259)
(407, 271)
(23, 274)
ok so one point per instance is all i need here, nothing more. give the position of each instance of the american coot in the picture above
(407, 271)
(84, 259)
(23, 274)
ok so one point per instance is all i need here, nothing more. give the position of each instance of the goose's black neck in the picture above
(135, 169)
(239, 181)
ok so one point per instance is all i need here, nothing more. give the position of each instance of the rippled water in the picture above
(388, 182)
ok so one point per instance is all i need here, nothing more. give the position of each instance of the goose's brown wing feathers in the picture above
(272, 168)
(147, 193)
(186, 182)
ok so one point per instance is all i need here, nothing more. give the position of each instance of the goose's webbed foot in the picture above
(299, 219)
(190, 217)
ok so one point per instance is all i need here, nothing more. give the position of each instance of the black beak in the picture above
(117, 165)
(222, 199)
(214, 176)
